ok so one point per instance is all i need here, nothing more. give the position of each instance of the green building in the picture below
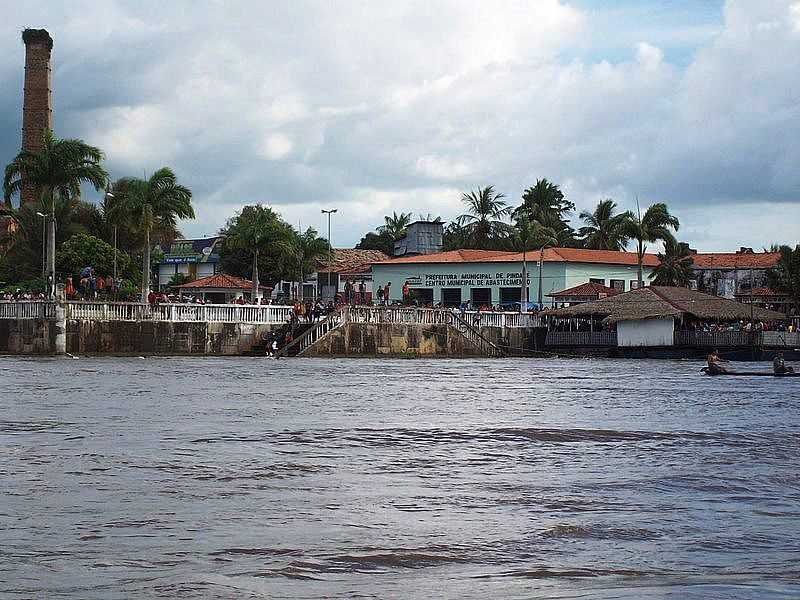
(491, 277)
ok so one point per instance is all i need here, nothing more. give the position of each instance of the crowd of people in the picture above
(19, 296)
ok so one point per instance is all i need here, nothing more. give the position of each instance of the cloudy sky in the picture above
(371, 107)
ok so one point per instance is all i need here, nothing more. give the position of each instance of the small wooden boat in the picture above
(750, 373)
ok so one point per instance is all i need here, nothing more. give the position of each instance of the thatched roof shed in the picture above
(657, 302)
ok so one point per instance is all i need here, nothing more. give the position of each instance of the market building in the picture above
(492, 277)
(658, 316)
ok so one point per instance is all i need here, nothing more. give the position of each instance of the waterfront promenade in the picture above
(32, 327)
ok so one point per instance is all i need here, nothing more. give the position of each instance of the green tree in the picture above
(152, 203)
(483, 220)
(542, 200)
(604, 229)
(55, 173)
(546, 204)
(383, 241)
(675, 264)
(306, 250)
(527, 235)
(785, 276)
(395, 225)
(455, 236)
(84, 250)
(656, 224)
(257, 235)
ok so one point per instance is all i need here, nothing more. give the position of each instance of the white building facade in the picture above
(490, 277)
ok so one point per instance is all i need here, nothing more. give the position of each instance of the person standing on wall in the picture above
(387, 293)
(406, 292)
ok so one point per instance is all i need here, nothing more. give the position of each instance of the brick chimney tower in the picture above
(37, 106)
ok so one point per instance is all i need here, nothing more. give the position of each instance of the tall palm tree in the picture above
(544, 198)
(306, 250)
(396, 224)
(529, 235)
(55, 173)
(656, 224)
(253, 230)
(675, 264)
(604, 230)
(152, 203)
(486, 210)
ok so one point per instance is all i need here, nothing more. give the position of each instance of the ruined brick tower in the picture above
(37, 107)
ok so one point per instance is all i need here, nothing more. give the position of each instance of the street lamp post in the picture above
(541, 264)
(330, 245)
(44, 242)
(114, 276)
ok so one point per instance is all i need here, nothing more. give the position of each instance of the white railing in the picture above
(220, 313)
(441, 316)
(404, 316)
(27, 310)
(505, 320)
(581, 338)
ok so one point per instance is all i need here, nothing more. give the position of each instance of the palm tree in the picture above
(152, 203)
(675, 264)
(396, 224)
(544, 198)
(252, 231)
(655, 225)
(604, 230)
(528, 235)
(307, 249)
(55, 173)
(483, 219)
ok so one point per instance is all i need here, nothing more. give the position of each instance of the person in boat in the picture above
(714, 363)
(779, 365)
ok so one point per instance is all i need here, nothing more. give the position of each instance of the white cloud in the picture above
(276, 146)
(401, 106)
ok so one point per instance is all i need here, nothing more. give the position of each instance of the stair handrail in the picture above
(476, 337)
(337, 317)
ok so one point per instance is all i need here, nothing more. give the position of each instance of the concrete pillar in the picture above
(61, 329)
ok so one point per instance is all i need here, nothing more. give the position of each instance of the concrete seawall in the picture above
(39, 337)
(391, 339)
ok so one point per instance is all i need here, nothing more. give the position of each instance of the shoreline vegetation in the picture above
(119, 237)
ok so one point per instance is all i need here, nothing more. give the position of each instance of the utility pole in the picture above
(541, 264)
(330, 245)
(44, 242)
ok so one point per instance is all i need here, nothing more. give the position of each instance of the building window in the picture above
(509, 295)
(599, 281)
(423, 296)
(481, 296)
(618, 284)
(451, 296)
(634, 284)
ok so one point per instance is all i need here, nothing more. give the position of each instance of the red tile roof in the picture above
(222, 281)
(762, 292)
(589, 290)
(347, 259)
(735, 260)
(573, 255)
